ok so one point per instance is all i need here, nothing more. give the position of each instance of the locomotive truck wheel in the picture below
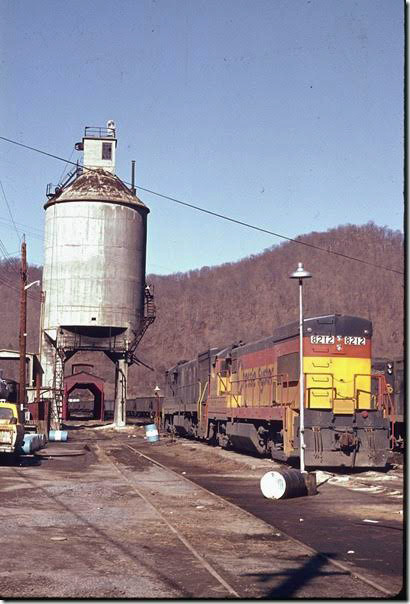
(223, 441)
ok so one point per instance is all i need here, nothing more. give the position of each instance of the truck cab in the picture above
(11, 428)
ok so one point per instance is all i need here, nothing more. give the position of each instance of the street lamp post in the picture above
(157, 390)
(301, 274)
(23, 325)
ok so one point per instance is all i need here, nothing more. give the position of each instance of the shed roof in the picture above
(83, 377)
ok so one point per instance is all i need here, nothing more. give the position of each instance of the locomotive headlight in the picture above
(389, 368)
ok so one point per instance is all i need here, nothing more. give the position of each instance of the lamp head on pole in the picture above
(30, 284)
(300, 273)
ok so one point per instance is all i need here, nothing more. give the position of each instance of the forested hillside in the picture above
(246, 300)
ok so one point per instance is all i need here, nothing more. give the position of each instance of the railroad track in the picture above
(117, 517)
(191, 548)
(191, 544)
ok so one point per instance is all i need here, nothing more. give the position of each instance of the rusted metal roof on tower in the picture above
(97, 185)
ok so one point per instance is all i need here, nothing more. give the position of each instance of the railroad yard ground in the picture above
(109, 515)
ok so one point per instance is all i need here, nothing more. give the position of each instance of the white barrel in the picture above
(58, 435)
(151, 432)
(283, 484)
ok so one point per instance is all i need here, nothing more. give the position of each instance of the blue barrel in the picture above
(32, 443)
(151, 432)
(58, 435)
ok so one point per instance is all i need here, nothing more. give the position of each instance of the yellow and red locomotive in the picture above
(246, 396)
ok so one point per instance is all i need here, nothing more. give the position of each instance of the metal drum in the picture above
(32, 443)
(151, 433)
(283, 484)
(58, 435)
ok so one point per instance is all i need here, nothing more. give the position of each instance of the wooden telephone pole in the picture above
(23, 325)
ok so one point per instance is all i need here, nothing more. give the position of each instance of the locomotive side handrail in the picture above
(224, 385)
(384, 402)
(383, 399)
(279, 379)
(201, 395)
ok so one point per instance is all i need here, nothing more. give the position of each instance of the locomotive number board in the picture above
(352, 340)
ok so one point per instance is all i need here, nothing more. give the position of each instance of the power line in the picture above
(10, 265)
(22, 224)
(10, 212)
(9, 140)
(262, 230)
(218, 215)
(11, 285)
(8, 260)
(37, 233)
(65, 167)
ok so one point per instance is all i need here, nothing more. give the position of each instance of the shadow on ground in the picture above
(297, 578)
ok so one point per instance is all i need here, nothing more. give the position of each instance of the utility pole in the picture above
(23, 324)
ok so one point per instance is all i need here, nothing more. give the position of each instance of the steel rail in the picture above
(339, 565)
(183, 540)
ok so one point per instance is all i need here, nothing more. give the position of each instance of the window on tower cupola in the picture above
(106, 151)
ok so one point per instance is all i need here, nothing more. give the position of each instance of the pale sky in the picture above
(282, 113)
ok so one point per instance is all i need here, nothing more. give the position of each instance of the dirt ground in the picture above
(91, 518)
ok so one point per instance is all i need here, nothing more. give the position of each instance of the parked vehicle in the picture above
(16, 437)
(11, 429)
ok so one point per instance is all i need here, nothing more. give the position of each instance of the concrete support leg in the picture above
(121, 376)
(47, 360)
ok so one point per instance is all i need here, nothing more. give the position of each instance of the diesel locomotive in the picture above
(246, 396)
